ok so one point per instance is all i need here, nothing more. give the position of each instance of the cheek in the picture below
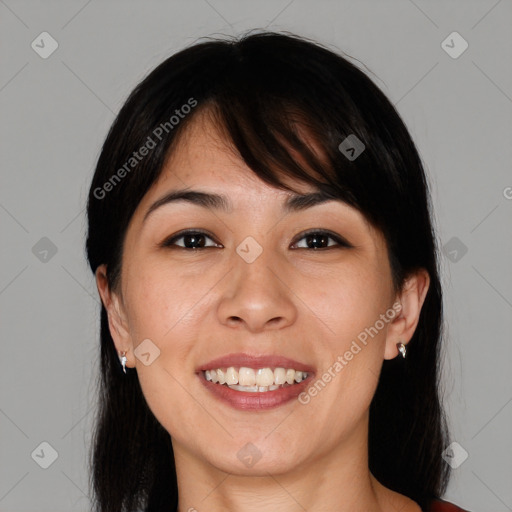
(347, 301)
(162, 300)
(350, 346)
(340, 395)
(166, 307)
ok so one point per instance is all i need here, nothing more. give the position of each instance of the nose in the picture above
(257, 296)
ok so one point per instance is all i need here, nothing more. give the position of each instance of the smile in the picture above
(254, 380)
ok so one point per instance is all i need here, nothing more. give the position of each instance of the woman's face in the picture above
(260, 294)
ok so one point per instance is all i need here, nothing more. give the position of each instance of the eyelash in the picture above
(170, 242)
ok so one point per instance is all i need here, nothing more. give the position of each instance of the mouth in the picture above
(255, 382)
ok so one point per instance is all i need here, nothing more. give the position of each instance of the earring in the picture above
(122, 359)
(402, 349)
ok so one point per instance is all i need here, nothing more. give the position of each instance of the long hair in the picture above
(271, 94)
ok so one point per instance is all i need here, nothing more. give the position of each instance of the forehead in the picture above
(203, 154)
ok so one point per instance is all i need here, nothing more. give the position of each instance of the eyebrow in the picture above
(220, 202)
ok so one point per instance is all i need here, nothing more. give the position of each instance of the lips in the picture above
(255, 361)
(254, 400)
(249, 401)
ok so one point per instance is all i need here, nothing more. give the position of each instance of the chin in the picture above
(256, 457)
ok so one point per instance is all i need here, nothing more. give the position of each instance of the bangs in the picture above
(280, 142)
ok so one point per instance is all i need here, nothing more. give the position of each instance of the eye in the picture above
(191, 239)
(319, 239)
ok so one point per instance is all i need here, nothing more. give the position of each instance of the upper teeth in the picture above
(255, 377)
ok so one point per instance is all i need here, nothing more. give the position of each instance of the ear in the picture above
(117, 322)
(411, 298)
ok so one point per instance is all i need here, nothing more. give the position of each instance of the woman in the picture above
(260, 233)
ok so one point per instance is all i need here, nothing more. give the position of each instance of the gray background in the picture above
(55, 113)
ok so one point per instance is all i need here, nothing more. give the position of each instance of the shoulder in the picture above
(444, 506)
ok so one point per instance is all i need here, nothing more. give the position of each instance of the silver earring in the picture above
(122, 359)
(401, 348)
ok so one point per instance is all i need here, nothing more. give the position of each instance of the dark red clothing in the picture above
(444, 506)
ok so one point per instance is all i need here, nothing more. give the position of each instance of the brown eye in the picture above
(190, 240)
(321, 239)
